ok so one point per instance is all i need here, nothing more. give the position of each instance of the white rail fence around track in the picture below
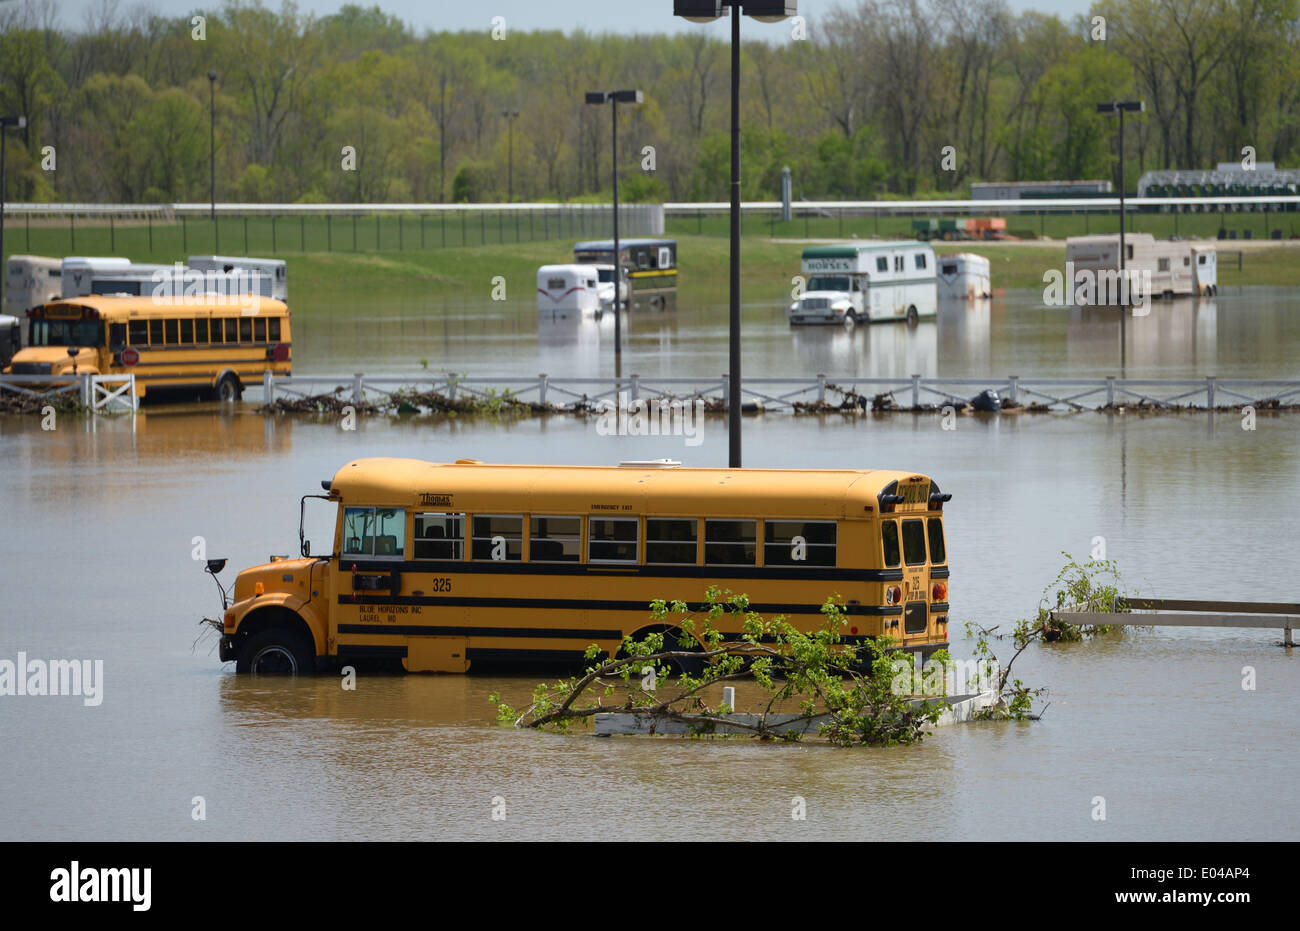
(811, 393)
(101, 394)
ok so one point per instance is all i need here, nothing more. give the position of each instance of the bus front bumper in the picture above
(226, 649)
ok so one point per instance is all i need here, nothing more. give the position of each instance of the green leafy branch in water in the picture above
(1092, 587)
(848, 690)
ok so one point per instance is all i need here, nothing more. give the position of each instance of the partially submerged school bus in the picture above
(447, 565)
(216, 344)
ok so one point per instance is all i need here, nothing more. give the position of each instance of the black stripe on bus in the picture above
(566, 657)
(430, 630)
(939, 607)
(578, 604)
(512, 567)
(367, 651)
(939, 572)
(244, 359)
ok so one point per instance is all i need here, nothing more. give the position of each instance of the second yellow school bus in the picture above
(214, 344)
(445, 565)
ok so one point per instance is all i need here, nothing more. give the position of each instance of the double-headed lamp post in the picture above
(18, 122)
(510, 117)
(767, 11)
(615, 98)
(1121, 107)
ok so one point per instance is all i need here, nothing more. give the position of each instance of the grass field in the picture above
(386, 253)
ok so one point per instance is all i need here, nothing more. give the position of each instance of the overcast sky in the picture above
(622, 16)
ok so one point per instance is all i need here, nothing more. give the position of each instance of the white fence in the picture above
(820, 392)
(100, 394)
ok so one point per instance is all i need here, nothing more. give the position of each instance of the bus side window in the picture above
(913, 542)
(799, 543)
(259, 330)
(170, 327)
(554, 539)
(938, 555)
(155, 333)
(116, 335)
(497, 537)
(439, 536)
(273, 329)
(671, 541)
(187, 331)
(612, 539)
(245, 330)
(730, 542)
(889, 539)
(138, 333)
(232, 330)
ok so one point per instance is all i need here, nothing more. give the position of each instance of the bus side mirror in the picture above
(306, 547)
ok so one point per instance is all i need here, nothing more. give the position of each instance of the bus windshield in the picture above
(828, 283)
(66, 333)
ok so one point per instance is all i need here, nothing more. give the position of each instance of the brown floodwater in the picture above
(98, 544)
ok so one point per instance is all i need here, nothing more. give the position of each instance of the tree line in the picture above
(873, 99)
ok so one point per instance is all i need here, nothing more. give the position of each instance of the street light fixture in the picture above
(614, 98)
(766, 11)
(1121, 107)
(511, 116)
(212, 142)
(18, 122)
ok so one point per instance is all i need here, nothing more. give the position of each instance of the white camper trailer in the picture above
(275, 269)
(84, 277)
(568, 289)
(11, 339)
(32, 280)
(77, 271)
(867, 283)
(963, 276)
(1173, 268)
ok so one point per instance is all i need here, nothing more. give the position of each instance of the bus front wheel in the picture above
(229, 389)
(276, 652)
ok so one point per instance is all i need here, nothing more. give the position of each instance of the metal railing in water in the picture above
(819, 393)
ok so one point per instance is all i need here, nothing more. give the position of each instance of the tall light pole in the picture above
(19, 122)
(212, 142)
(1121, 107)
(511, 116)
(767, 11)
(614, 98)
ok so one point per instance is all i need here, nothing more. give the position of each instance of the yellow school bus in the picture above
(447, 565)
(214, 344)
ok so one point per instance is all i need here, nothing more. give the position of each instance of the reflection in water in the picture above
(880, 350)
(1257, 335)
(1176, 338)
(417, 756)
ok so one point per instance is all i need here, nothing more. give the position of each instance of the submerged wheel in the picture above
(850, 319)
(229, 388)
(276, 652)
(912, 316)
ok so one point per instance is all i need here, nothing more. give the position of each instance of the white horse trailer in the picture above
(1173, 267)
(568, 289)
(78, 271)
(171, 282)
(11, 338)
(276, 269)
(32, 280)
(963, 276)
(867, 283)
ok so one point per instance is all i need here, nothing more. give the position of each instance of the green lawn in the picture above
(386, 254)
